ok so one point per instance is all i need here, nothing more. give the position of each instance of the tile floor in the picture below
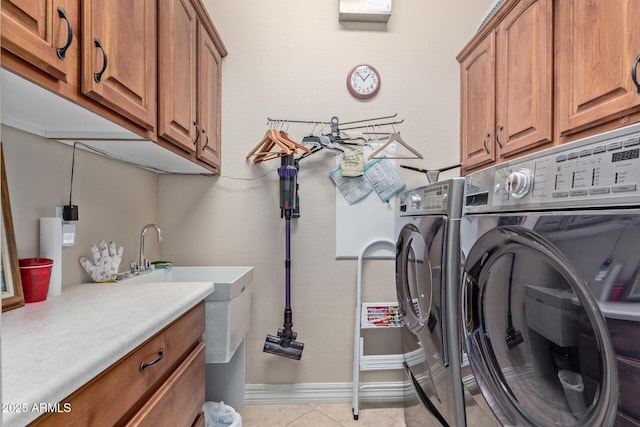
(323, 415)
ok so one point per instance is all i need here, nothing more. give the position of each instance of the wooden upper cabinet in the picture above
(209, 98)
(177, 62)
(477, 88)
(42, 33)
(524, 77)
(507, 84)
(599, 42)
(190, 66)
(119, 68)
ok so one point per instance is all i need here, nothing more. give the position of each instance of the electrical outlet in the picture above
(59, 211)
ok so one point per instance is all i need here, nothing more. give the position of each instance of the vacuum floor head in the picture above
(284, 348)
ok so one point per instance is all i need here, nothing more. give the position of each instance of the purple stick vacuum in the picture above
(284, 343)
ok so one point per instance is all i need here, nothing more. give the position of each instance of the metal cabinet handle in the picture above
(634, 76)
(206, 142)
(485, 143)
(145, 365)
(62, 51)
(500, 128)
(195, 141)
(98, 76)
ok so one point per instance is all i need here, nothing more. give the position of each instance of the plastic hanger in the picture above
(395, 137)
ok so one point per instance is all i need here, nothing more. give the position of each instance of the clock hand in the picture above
(359, 75)
(368, 74)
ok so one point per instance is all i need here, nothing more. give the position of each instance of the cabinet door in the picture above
(40, 32)
(477, 87)
(524, 90)
(209, 99)
(599, 43)
(177, 72)
(119, 42)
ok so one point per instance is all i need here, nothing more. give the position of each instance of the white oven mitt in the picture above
(106, 261)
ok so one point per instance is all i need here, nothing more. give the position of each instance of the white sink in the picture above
(228, 307)
(228, 281)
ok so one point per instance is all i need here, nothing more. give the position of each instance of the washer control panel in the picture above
(594, 171)
(422, 200)
(601, 170)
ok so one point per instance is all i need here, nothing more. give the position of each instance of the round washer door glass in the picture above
(413, 278)
(536, 340)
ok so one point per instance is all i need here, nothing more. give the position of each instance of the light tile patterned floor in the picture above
(322, 415)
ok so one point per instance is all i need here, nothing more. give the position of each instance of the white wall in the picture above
(289, 59)
(115, 200)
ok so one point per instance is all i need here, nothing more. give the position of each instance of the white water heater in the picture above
(365, 10)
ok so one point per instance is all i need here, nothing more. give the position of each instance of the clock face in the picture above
(363, 81)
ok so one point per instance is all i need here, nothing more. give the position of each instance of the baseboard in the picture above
(284, 394)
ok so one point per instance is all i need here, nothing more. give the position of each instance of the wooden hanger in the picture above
(395, 137)
(284, 136)
(266, 139)
(278, 140)
(263, 150)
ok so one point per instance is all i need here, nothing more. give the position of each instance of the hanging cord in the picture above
(73, 162)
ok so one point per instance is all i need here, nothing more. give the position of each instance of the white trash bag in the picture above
(217, 414)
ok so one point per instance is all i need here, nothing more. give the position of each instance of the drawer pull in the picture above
(145, 365)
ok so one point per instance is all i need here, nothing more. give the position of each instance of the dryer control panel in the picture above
(603, 170)
(432, 198)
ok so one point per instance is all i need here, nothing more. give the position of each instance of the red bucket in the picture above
(35, 274)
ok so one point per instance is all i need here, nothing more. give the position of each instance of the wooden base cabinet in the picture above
(507, 84)
(162, 379)
(179, 401)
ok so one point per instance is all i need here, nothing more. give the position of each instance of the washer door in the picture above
(420, 248)
(535, 335)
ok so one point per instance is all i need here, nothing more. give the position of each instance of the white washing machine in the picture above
(551, 283)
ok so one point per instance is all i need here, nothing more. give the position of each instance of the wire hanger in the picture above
(395, 137)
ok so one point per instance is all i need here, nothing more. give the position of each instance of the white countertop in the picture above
(51, 348)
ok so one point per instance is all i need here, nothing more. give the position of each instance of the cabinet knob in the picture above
(62, 51)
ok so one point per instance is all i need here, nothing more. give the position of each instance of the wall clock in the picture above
(363, 81)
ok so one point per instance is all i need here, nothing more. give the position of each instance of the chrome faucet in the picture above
(144, 262)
